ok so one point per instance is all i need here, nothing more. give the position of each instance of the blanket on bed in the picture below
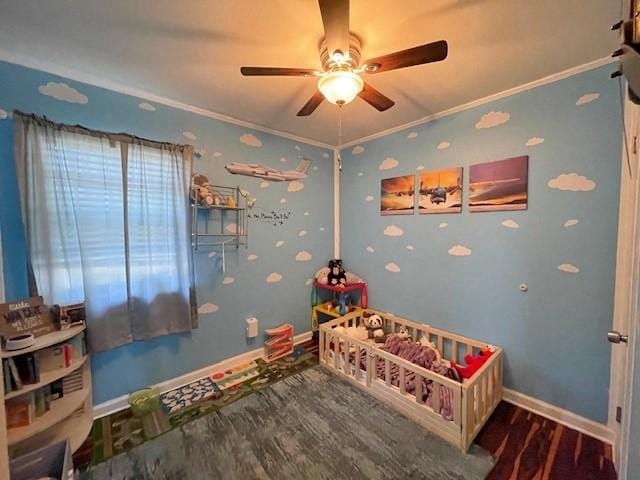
(423, 356)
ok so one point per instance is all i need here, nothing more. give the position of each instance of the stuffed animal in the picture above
(473, 362)
(336, 276)
(373, 323)
(200, 190)
(352, 278)
(322, 276)
(424, 341)
(403, 332)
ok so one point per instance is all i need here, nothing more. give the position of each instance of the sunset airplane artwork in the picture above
(268, 173)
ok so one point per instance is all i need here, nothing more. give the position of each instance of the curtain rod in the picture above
(120, 137)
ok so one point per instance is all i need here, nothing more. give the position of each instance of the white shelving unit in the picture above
(69, 417)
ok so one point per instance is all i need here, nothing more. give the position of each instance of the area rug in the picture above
(122, 431)
(312, 425)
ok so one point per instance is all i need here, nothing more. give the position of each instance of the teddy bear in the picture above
(200, 190)
(374, 325)
(337, 276)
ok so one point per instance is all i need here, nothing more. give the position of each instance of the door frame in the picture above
(627, 288)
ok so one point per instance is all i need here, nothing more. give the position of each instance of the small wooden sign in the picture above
(25, 316)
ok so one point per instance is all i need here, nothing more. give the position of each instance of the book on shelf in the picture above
(72, 382)
(20, 411)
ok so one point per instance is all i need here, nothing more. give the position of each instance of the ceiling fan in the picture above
(340, 81)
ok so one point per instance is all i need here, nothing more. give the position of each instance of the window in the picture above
(108, 223)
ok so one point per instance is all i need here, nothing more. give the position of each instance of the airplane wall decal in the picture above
(267, 173)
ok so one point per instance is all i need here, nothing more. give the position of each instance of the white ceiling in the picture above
(191, 51)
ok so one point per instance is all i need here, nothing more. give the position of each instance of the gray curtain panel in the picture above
(107, 221)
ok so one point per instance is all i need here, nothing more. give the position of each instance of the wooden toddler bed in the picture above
(456, 411)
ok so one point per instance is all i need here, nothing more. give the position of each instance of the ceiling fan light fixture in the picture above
(340, 87)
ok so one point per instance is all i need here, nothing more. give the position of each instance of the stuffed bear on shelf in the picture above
(337, 276)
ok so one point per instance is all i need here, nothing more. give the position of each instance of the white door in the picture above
(627, 307)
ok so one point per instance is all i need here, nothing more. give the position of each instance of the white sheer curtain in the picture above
(107, 222)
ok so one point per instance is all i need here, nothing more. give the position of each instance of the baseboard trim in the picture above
(559, 415)
(120, 403)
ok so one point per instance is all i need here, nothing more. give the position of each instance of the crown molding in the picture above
(89, 79)
(107, 84)
(490, 98)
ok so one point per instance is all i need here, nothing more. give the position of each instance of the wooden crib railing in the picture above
(472, 401)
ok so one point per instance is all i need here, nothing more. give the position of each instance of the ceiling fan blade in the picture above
(311, 105)
(431, 52)
(375, 98)
(335, 19)
(277, 71)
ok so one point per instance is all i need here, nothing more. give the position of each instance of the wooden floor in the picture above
(530, 447)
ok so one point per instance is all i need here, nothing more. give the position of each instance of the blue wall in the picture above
(221, 333)
(553, 334)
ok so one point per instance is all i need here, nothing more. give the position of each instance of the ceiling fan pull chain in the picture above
(339, 137)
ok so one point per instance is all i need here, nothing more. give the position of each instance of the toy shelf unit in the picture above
(219, 217)
(334, 301)
(48, 395)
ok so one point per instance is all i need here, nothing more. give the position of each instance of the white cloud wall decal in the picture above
(567, 267)
(251, 140)
(189, 135)
(228, 280)
(369, 198)
(302, 233)
(63, 92)
(357, 150)
(212, 254)
(460, 251)
(412, 135)
(322, 229)
(308, 282)
(571, 222)
(297, 147)
(510, 224)
(207, 308)
(420, 167)
(493, 119)
(3, 114)
(252, 257)
(410, 247)
(443, 225)
(370, 249)
(264, 184)
(274, 277)
(306, 214)
(443, 145)
(360, 174)
(283, 200)
(217, 154)
(147, 106)
(279, 243)
(392, 267)
(388, 163)
(587, 98)
(303, 256)
(295, 186)
(283, 159)
(325, 155)
(393, 231)
(533, 141)
(572, 182)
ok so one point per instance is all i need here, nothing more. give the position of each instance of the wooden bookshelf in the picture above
(69, 417)
(47, 378)
(47, 341)
(60, 410)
